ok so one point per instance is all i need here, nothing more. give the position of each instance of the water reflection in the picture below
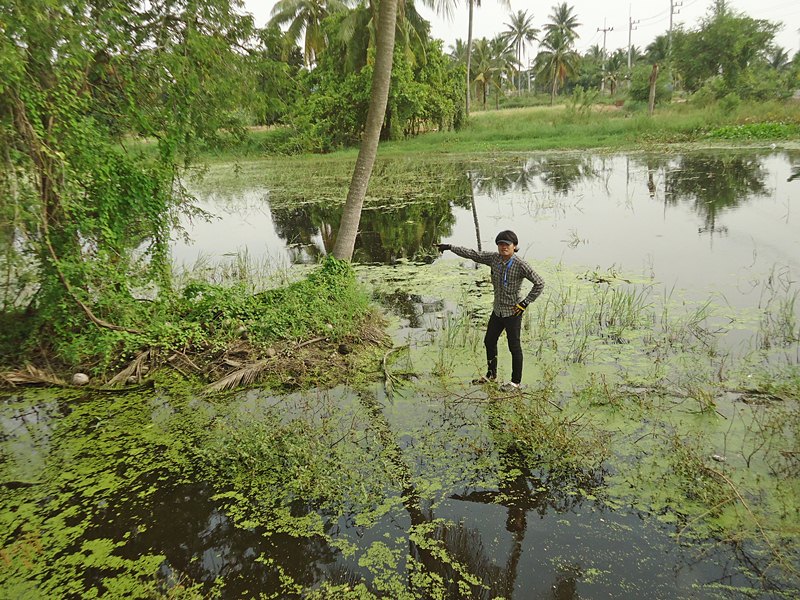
(649, 214)
(200, 542)
(715, 183)
(407, 228)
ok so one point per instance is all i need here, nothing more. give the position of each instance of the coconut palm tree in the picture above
(779, 59)
(482, 67)
(657, 51)
(520, 32)
(357, 32)
(556, 60)
(379, 95)
(472, 3)
(458, 52)
(563, 22)
(615, 69)
(305, 19)
(504, 64)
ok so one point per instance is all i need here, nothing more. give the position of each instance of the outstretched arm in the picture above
(484, 258)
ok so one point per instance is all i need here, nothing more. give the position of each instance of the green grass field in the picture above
(601, 126)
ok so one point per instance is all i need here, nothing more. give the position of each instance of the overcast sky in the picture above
(653, 16)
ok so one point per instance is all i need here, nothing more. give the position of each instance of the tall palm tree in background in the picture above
(615, 69)
(504, 65)
(458, 52)
(594, 53)
(556, 61)
(657, 51)
(472, 3)
(494, 64)
(305, 19)
(563, 22)
(520, 32)
(482, 67)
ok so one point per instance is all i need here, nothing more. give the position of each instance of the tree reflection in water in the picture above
(714, 183)
(392, 229)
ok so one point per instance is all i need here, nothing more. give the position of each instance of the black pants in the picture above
(513, 327)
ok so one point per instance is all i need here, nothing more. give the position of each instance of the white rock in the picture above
(80, 379)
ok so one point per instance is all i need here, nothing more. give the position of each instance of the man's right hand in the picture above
(443, 247)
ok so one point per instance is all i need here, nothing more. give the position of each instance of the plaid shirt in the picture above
(506, 278)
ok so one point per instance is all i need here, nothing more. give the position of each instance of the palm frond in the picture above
(241, 377)
(134, 369)
(31, 376)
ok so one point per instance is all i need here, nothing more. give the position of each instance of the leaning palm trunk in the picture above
(381, 77)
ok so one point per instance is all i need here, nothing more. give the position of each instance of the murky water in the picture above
(437, 488)
(718, 222)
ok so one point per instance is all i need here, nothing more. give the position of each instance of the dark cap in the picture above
(507, 237)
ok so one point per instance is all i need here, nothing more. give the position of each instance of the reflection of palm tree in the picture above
(519, 493)
(562, 174)
(464, 545)
(715, 183)
(474, 213)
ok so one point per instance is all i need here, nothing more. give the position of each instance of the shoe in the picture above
(483, 379)
(509, 387)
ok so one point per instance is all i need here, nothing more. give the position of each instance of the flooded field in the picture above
(653, 451)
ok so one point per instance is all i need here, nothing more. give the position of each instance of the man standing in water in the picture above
(508, 271)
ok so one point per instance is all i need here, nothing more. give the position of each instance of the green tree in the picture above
(615, 69)
(458, 52)
(494, 60)
(563, 23)
(274, 77)
(726, 44)
(657, 51)
(590, 68)
(91, 215)
(779, 58)
(422, 95)
(519, 33)
(472, 4)
(556, 61)
(557, 58)
(305, 18)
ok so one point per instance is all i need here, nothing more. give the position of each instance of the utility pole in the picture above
(631, 27)
(674, 5)
(603, 57)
